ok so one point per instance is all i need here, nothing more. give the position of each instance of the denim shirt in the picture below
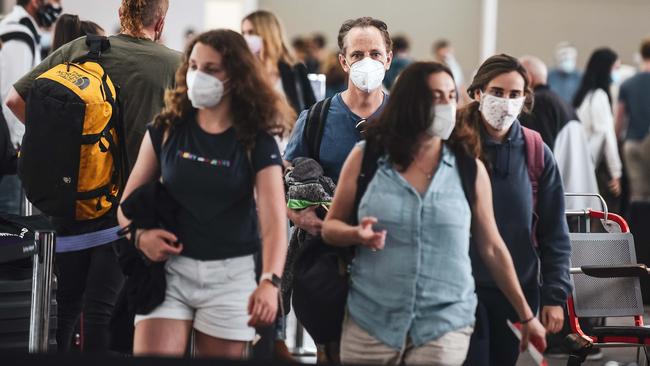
(420, 285)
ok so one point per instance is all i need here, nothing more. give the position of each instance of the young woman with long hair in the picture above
(411, 298)
(211, 147)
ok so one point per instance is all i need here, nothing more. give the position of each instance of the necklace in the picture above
(428, 174)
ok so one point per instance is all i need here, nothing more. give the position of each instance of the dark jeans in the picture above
(89, 282)
(493, 343)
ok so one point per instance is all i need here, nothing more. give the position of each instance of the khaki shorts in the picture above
(359, 347)
(214, 294)
(637, 164)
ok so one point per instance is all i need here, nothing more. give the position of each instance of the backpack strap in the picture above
(467, 169)
(371, 153)
(29, 36)
(96, 46)
(534, 159)
(314, 127)
(535, 164)
(21, 37)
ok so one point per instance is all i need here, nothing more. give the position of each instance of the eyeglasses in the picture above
(361, 125)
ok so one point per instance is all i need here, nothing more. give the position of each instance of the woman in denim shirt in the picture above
(412, 294)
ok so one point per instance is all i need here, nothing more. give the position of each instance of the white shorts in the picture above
(214, 294)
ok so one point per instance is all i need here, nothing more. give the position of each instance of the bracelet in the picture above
(527, 320)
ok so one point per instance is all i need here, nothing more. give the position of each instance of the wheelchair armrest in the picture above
(625, 270)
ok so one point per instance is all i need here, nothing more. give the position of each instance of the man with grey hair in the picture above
(558, 124)
(565, 78)
(550, 113)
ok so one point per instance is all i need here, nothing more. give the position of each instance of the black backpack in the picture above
(320, 271)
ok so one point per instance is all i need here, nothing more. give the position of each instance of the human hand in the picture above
(263, 305)
(534, 332)
(157, 244)
(552, 318)
(614, 186)
(368, 237)
(307, 220)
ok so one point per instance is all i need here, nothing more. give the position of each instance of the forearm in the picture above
(16, 104)
(339, 233)
(499, 263)
(274, 249)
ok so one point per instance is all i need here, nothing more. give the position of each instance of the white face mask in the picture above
(203, 90)
(443, 120)
(500, 113)
(254, 42)
(367, 74)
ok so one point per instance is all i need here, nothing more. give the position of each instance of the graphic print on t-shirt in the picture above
(214, 162)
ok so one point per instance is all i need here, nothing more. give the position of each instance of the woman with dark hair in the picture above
(69, 27)
(211, 147)
(528, 206)
(411, 298)
(264, 35)
(593, 103)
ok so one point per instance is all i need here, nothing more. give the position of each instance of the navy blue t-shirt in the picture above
(212, 178)
(339, 137)
(635, 96)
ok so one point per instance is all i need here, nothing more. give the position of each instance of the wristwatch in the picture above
(271, 277)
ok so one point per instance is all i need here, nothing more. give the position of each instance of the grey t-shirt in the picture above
(635, 97)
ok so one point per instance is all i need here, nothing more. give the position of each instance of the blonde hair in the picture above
(135, 15)
(268, 27)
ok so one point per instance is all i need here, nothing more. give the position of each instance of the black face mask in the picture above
(47, 15)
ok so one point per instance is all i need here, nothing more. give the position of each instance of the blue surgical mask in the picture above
(616, 77)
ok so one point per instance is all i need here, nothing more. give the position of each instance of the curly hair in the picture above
(469, 117)
(407, 116)
(138, 14)
(254, 104)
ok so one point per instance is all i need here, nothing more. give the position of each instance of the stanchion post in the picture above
(39, 320)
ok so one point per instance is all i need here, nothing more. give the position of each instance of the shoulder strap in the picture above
(467, 170)
(21, 37)
(534, 159)
(371, 153)
(30, 36)
(29, 25)
(314, 127)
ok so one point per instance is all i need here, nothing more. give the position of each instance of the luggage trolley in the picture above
(41, 249)
(605, 279)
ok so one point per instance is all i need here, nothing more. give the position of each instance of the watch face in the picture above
(277, 281)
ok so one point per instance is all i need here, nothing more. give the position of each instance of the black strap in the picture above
(28, 23)
(97, 45)
(467, 169)
(21, 37)
(314, 127)
(371, 153)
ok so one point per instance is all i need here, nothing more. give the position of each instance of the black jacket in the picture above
(296, 86)
(549, 115)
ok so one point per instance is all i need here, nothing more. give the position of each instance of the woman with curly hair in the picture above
(211, 147)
